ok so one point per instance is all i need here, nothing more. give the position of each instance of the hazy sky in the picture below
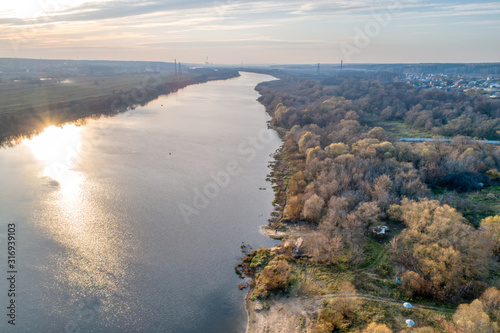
(252, 31)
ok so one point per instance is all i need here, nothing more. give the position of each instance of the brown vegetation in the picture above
(346, 176)
(377, 328)
(276, 276)
(339, 313)
(442, 253)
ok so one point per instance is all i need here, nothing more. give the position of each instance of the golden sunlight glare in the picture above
(57, 147)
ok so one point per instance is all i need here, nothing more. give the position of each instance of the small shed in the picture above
(380, 230)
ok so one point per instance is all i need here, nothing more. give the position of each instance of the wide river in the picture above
(134, 223)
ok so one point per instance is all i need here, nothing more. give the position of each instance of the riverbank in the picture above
(297, 310)
(282, 314)
(117, 94)
(292, 312)
(112, 233)
(344, 178)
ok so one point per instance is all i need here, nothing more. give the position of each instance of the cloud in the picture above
(156, 10)
(171, 24)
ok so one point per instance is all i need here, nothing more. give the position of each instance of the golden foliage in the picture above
(336, 149)
(377, 328)
(329, 320)
(471, 318)
(312, 153)
(312, 208)
(308, 140)
(293, 208)
(492, 226)
(491, 303)
(493, 174)
(277, 275)
(439, 245)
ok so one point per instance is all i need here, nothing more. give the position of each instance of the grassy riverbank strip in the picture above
(29, 108)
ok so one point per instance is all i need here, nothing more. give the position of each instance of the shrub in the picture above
(330, 320)
(276, 276)
(377, 328)
(493, 174)
(346, 301)
(261, 258)
(414, 284)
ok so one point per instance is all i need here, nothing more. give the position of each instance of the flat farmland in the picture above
(20, 95)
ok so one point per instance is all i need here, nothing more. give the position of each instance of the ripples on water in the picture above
(103, 245)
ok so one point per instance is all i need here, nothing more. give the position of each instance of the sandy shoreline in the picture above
(283, 313)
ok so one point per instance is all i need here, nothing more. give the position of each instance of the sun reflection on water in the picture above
(58, 148)
(75, 216)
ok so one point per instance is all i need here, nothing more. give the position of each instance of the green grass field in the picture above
(402, 130)
(22, 96)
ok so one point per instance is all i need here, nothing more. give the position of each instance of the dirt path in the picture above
(393, 301)
(293, 230)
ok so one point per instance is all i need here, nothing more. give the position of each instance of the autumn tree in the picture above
(293, 208)
(491, 224)
(322, 248)
(308, 140)
(377, 133)
(312, 153)
(312, 208)
(336, 149)
(329, 321)
(276, 276)
(414, 284)
(491, 303)
(380, 191)
(387, 113)
(369, 213)
(471, 318)
(493, 174)
(346, 301)
(440, 246)
(337, 313)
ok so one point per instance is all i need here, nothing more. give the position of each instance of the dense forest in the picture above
(424, 212)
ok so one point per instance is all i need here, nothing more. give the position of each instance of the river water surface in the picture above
(134, 223)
